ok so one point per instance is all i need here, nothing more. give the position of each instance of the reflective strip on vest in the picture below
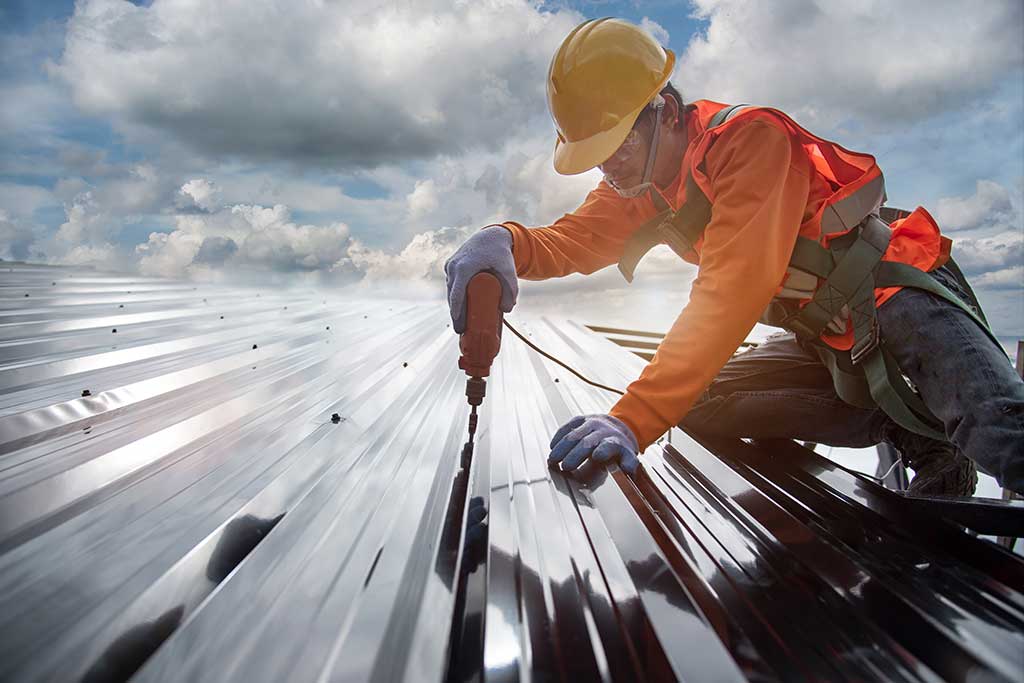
(847, 213)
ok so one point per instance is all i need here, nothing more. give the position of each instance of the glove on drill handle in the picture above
(487, 250)
(481, 340)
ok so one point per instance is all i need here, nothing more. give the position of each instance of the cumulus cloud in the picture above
(350, 84)
(16, 239)
(987, 229)
(991, 204)
(241, 237)
(873, 61)
(199, 193)
(423, 199)
(655, 29)
(422, 259)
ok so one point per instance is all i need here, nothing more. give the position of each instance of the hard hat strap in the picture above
(652, 151)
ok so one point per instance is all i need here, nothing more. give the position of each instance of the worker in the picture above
(786, 228)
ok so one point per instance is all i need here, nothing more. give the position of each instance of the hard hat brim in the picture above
(579, 156)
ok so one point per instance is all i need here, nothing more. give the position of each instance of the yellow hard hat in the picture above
(602, 76)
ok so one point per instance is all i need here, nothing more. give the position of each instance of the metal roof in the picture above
(199, 515)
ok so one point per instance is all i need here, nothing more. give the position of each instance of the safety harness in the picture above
(849, 270)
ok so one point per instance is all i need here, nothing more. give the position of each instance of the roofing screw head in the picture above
(86, 392)
(54, 284)
(120, 305)
(253, 346)
(114, 331)
(335, 418)
(405, 365)
(328, 327)
(556, 379)
(26, 296)
(222, 317)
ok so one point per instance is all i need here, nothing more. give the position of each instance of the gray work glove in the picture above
(490, 250)
(598, 437)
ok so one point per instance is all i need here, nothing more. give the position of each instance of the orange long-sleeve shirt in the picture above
(763, 189)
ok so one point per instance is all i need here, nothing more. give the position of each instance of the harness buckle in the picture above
(863, 347)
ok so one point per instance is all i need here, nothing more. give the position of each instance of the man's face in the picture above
(625, 167)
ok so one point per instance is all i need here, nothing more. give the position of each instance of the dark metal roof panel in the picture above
(200, 516)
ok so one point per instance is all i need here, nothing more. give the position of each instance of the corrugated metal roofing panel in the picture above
(200, 516)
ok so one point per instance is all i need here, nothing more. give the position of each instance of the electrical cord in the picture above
(588, 381)
(555, 360)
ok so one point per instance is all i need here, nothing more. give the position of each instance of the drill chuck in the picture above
(476, 389)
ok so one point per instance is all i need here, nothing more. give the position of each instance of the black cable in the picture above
(555, 360)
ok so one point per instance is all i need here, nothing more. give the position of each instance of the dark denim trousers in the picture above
(781, 390)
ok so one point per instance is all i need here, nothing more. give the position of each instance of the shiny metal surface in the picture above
(199, 515)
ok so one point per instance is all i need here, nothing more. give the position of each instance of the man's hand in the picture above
(491, 250)
(599, 437)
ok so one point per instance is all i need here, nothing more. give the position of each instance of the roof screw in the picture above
(86, 392)
(26, 296)
(54, 284)
(335, 418)
(120, 306)
(114, 331)
(405, 365)
(328, 327)
(556, 379)
(222, 317)
(253, 346)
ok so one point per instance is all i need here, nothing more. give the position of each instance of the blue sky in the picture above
(358, 143)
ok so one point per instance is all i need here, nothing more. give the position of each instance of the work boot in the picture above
(939, 468)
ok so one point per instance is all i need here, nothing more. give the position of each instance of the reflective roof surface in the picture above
(177, 503)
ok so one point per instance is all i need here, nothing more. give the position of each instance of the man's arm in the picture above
(760, 186)
(588, 239)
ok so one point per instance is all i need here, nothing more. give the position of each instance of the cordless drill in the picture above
(479, 343)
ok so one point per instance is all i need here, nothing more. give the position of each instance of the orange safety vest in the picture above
(846, 262)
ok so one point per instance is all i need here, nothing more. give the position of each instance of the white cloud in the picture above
(992, 261)
(201, 193)
(1007, 278)
(422, 200)
(352, 84)
(86, 223)
(655, 29)
(870, 61)
(16, 239)
(22, 200)
(244, 237)
(101, 256)
(990, 204)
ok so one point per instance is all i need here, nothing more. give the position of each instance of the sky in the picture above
(356, 144)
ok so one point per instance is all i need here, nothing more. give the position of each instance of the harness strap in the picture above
(893, 274)
(849, 283)
(681, 229)
(810, 256)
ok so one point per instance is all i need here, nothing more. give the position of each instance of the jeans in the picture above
(781, 390)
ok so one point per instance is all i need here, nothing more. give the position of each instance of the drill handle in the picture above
(481, 340)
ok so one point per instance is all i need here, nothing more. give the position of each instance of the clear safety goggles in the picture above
(629, 148)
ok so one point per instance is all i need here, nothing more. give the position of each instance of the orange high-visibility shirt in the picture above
(764, 189)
